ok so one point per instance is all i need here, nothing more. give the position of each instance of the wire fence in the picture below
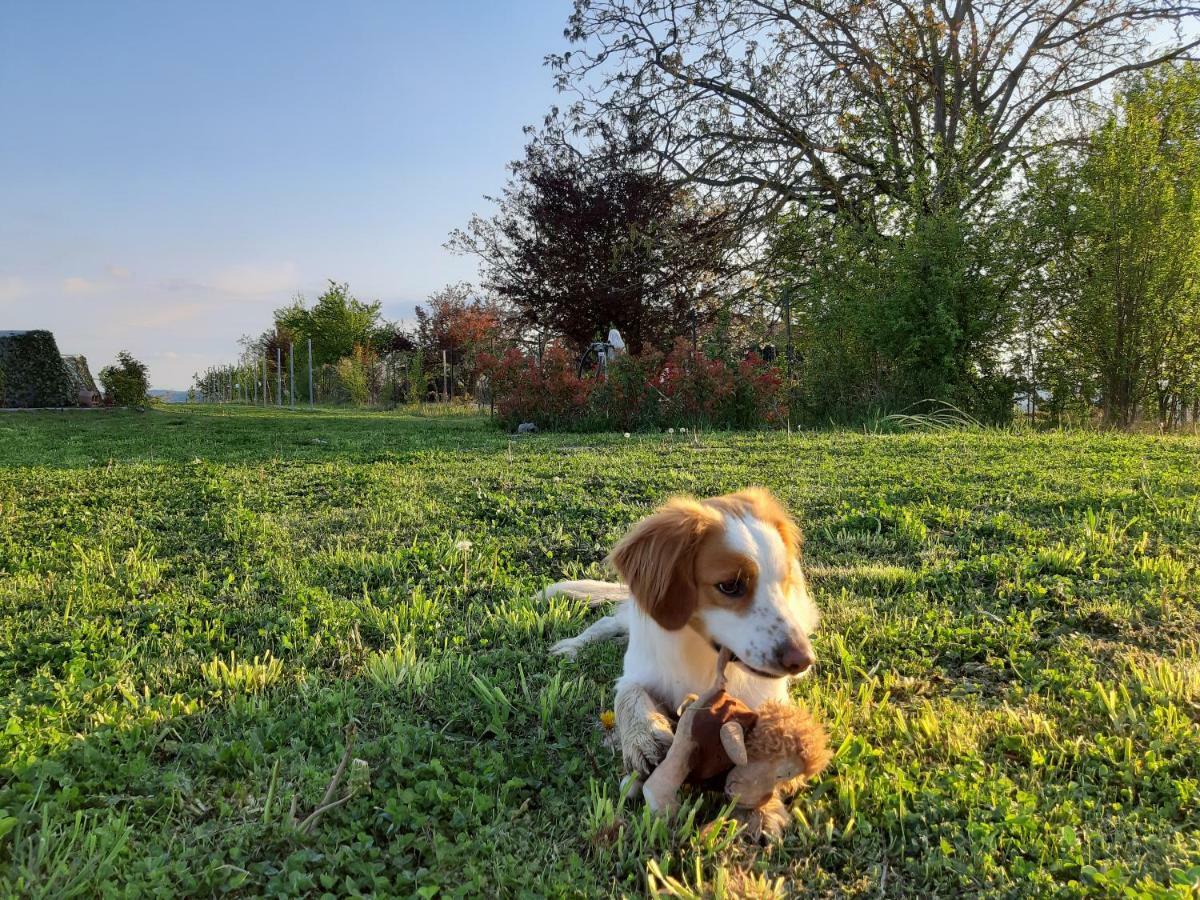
(286, 376)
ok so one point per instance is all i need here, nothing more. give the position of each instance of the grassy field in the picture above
(196, 605)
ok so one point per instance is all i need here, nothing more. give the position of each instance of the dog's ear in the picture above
(657, 560)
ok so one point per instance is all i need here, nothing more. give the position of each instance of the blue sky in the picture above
(174, 171)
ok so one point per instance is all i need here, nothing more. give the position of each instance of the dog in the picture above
(700, 575)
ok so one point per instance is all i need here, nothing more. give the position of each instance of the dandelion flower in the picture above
(627, 434)
(608, 719)
(463, 546)
(670, 431)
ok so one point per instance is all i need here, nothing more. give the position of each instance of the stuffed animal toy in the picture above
(756, 758)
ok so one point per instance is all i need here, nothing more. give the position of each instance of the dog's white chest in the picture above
(672, 664)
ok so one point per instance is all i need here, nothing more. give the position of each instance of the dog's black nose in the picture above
(795, 657)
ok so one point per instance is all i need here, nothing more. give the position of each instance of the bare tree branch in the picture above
(855, 102)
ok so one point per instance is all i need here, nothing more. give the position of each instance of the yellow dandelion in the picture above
(608, 719)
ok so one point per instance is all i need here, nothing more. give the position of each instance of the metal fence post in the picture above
(787, 312)
(278, 375)
(292, 372)
(310, 383)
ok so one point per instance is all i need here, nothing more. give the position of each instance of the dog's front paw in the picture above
(567, 647)
(646, 742)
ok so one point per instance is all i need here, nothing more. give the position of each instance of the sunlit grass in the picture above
(197, 606)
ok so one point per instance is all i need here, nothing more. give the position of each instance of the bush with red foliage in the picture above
(640, 392)
(758, 397)
(549, 393)
(628, 399)
(696, 386)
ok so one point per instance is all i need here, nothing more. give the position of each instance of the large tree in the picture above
(1128, 332)
(580, 244)
(899, 134)
(839, 102)
(337, 324)
(459, 322)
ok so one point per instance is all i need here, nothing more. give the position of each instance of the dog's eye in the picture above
(733, 588)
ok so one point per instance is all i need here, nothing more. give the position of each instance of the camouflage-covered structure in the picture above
(32, 371)
(86, 392)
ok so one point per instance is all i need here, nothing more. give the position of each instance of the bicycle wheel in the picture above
(591, 363)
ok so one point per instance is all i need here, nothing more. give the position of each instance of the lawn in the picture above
(198, 604)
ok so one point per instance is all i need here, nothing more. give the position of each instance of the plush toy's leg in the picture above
(765, 821)
(661, 790)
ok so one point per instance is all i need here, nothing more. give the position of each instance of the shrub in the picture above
(126, 383)
(416, 380)
(548, 392)
(353, 379)
(695, 385)
(758, 396)
(629, 399)
(641, 392)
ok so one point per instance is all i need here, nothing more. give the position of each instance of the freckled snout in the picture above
(794, 656)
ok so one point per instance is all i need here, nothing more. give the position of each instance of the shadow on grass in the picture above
(72, 439)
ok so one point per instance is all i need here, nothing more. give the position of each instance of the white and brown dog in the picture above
(723, 572)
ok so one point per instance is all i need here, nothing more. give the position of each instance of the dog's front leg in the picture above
(645, 733)
(766, 821)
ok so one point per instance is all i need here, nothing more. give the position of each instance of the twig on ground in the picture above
(327, 802)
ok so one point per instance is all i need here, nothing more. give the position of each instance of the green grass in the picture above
(197, 604)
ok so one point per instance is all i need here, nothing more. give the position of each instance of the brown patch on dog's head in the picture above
(657, 559)
(761, 504)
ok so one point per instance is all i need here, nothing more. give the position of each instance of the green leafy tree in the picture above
(126, 382)
(337, 323)
(903, 133)
(884, 319)
(416, 378)
(1129, 331)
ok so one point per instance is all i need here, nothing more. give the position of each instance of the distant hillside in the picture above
(169, 396)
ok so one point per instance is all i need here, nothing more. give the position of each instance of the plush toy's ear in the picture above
(657, 560)
(687, 701)
(733, 739)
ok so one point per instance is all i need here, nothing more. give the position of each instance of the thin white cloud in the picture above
(177, 324)
(77, 285)
(12, 288)
(257, 279)
(164, 314)
(178, 284)
(111, 277)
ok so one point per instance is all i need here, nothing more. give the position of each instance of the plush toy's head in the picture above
(783, 749)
